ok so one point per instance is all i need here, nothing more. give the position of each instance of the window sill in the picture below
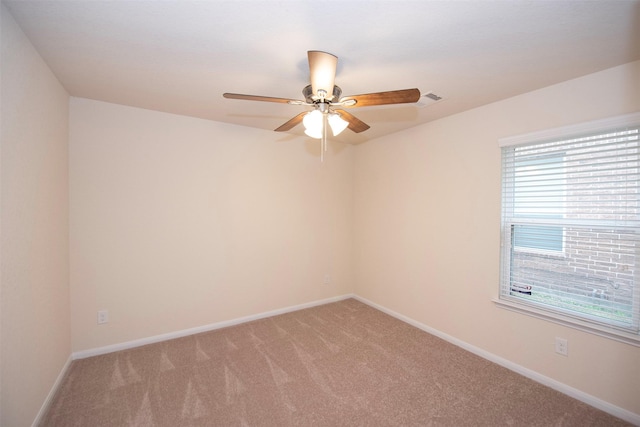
(621, 336)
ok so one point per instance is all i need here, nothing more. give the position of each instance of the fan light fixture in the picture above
(327, 101)
(313, 124)
(337, 123)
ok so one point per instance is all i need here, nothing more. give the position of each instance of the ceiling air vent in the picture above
(428, 99)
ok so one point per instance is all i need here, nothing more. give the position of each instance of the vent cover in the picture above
(428, 99)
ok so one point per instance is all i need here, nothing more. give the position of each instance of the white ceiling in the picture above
(181, 56)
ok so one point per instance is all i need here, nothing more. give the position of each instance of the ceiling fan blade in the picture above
(260, 98)
(403, 96)
(355, 124)
(291, 123)
(322, 70)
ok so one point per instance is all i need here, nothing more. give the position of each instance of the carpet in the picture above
(339, 364)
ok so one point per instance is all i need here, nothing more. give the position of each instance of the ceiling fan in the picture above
(327, 101)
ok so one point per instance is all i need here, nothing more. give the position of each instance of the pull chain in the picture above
(323, 142)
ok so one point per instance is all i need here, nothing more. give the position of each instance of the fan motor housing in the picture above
(309, 97)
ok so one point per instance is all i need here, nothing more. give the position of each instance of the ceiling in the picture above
(181, 56)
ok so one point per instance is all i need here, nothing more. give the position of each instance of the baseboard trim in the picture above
(206, 328)
(52, 392)
(614, 410)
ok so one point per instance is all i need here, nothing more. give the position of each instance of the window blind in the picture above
(571, 227)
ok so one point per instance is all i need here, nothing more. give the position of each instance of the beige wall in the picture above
(34, 267)
(427, 238)
(179, 222)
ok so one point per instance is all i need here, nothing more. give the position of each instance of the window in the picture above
(571, 226)
(534, 199)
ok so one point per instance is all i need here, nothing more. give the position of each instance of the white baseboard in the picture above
(616, 411)
(186, 332)
(52, 392)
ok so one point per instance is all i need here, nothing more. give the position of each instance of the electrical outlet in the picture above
(327, 279)
(562, 347)
(103, 316)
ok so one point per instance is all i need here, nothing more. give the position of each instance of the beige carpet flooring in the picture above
(340, 364)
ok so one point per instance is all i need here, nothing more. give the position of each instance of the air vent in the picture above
(428, 99)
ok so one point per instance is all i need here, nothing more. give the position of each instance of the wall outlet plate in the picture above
(103, 316)
(562, 346)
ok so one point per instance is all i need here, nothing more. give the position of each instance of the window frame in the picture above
(555, 315)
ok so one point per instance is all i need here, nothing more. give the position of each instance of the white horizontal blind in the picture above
(571, 227)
